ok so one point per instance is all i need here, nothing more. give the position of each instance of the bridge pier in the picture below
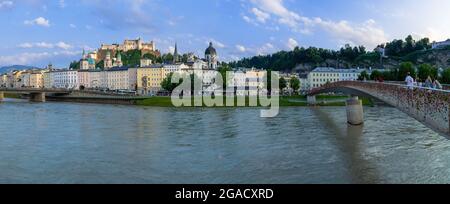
(355, 113)
(2, 95)
(311, 100)
(37, 97)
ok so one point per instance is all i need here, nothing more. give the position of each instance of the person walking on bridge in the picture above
(437, 85)
(428, 83)
(409, 81)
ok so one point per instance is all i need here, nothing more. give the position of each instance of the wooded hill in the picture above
(397, 51)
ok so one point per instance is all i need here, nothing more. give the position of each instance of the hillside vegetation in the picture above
(396, 52)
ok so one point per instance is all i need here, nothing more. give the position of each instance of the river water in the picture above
(91, 143)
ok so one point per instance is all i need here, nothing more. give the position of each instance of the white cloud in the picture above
(25, 45)
(61, 45)
(367, 33)
(44, 45)
(72, 25)
(6, 4)
(277, 8)
(28, 58)
(23, 58)
(216, 43)
(260, 15)
(265, 49)
(171, 49)
(62, 4)
(67, 53)
(420, 18)
(40, 21)
(249, 20)
(291, 44)
(241, 48)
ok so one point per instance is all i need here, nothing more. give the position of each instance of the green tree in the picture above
(167, 58)
(167, 84)
(131, 58)
(391, 75)
(100, 65)
(152, 57)
(364, 75)
(446, 76)
(410, 45)
(376, 75)
(426, 70)
(267, 80)
(295, 84)
(74, 65)
(222, 73)
(404, 69)
(283, 83)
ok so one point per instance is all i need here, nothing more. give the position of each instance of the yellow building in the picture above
(36, 79)
(31, 79)
(149, 79)
(14, 79)
(3, 80)
(47, 77)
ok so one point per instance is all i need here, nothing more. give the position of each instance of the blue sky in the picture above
(36, 32)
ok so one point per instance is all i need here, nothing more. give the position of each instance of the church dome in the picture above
(211, 50)
(91, 61)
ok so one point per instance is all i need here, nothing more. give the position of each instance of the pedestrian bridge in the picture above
(429, 106)
(36, 94)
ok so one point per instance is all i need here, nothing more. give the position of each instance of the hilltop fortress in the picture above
(127, 45)
(106, 51)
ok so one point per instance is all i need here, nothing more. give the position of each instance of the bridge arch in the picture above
(429, 106)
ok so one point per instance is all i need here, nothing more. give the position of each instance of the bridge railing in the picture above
(400, 84)
(5, 89)
(428, 105)
(390, 83)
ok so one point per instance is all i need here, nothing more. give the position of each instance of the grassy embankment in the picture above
(286, 101)
(10, 95)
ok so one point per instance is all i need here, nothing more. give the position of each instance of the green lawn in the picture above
(10, 95)
(285, 101)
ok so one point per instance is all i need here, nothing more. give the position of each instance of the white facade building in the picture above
(65, 79)
(438, 45)
(323, 75)
(174, 68)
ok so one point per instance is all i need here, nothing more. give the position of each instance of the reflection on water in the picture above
(89, 143)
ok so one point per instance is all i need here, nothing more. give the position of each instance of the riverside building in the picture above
(323, 75)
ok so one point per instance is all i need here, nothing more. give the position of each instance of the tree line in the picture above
(398, 48)
(287, 60)
(420, 73)
(347, 55)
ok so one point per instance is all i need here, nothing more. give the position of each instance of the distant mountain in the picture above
(15, 67)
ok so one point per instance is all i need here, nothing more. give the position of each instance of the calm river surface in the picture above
(90, 143)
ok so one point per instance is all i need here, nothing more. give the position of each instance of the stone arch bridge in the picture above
(429, 106)
(68, 95)
(36, 95)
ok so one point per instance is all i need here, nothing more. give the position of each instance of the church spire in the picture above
(119, 56)
(175, 54)
(84, 54)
